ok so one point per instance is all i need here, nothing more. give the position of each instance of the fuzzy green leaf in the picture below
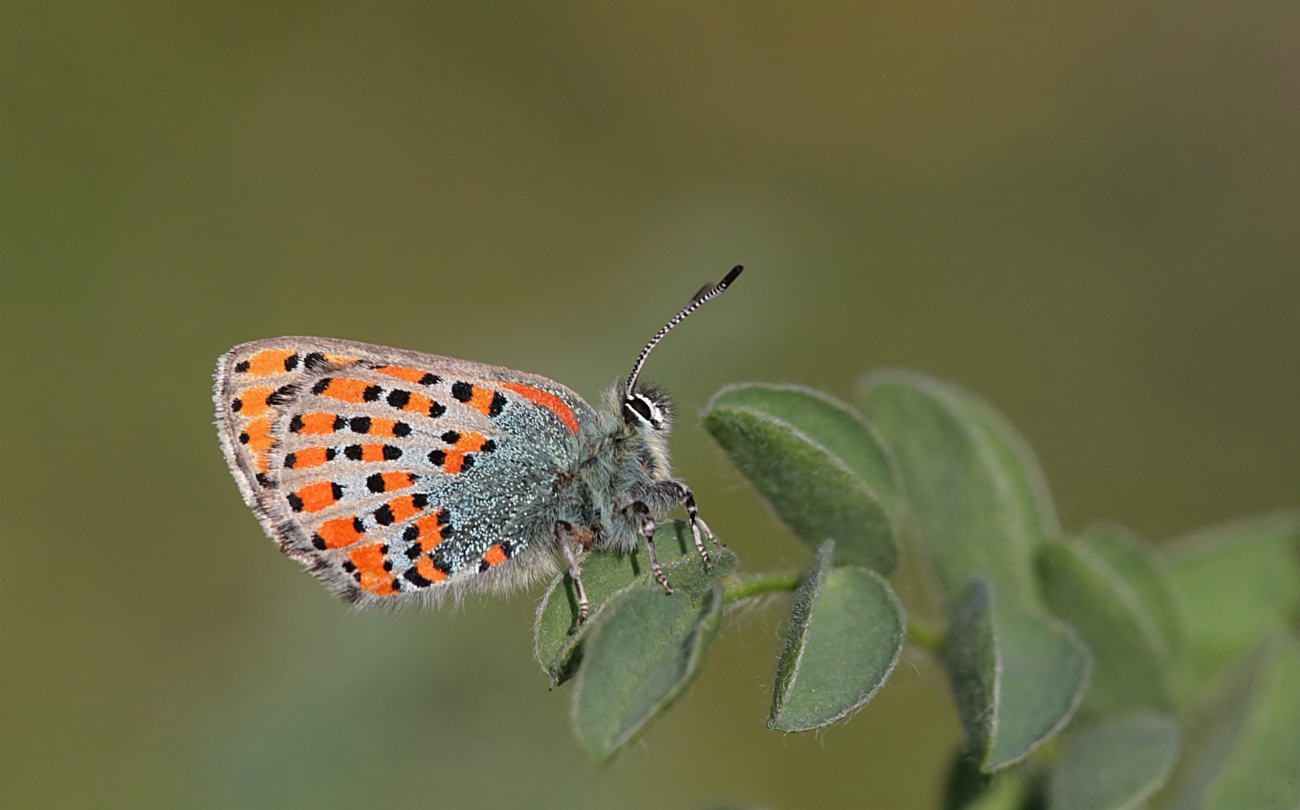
(830, 423)
(1146, 574)
(845, 636)
(811, 488)
(1115, 765)
(976, 493)
(557, 638)
(1238, 583)
(1245, 752)
(641, 653)
(1017, 676)
(1131, 658)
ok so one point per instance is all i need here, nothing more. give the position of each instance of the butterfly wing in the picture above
(396, 476)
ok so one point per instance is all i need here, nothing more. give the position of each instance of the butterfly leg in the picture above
(563, 530)
(647, 530)
(686, 498)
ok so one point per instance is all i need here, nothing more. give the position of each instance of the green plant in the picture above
(1091, 672)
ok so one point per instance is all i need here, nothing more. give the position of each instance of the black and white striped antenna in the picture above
(706, 292)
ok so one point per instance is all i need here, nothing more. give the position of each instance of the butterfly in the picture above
(396, 477)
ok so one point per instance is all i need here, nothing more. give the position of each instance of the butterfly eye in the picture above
(638, 407)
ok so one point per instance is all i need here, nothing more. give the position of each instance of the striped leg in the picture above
(564, 530)
(697, 523)
(647, 531)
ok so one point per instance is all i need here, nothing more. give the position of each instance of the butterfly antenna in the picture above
(706, 292)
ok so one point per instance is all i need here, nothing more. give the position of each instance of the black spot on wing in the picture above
(282, 395)
(314, 361)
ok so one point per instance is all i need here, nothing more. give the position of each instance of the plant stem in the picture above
(924, 634)
(754, 584)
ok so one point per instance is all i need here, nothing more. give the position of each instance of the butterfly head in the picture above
(648, 409)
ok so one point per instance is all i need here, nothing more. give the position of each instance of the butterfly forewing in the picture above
(396, 475)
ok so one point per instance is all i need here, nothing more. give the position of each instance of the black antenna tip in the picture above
(730, 277)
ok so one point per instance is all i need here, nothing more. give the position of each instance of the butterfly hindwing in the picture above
(395, 475)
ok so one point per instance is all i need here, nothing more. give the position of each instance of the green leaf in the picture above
(1245, 752)
(811, 488)
(846, 633)
(557, 638)
(642, 652)
(1238, 583)
(1131, 658)
(1017, 676)
(1114, 765)
(830, 423)
(977, 495)
(1145, 573)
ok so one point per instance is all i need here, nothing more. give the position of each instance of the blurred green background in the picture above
(1087, 212)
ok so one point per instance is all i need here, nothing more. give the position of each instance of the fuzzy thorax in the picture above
(626, 457)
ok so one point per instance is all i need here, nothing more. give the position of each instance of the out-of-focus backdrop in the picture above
(1087, 212)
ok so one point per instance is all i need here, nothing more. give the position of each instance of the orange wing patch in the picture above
(482, 399)
(400, 509)
(347, 389)
(548, 401)
(426, 569)
(454, 462)
(370, 567)
(252, 402)
(316, 424)
(315, 497)
(309, 457)
(427, 532)
(339, 533)
(269, 362)
(418, 403)
(371, 453)
(411, 375)
(257, 435)
(468, 442)
(495, 556)
(390, 481)
(384, 428)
